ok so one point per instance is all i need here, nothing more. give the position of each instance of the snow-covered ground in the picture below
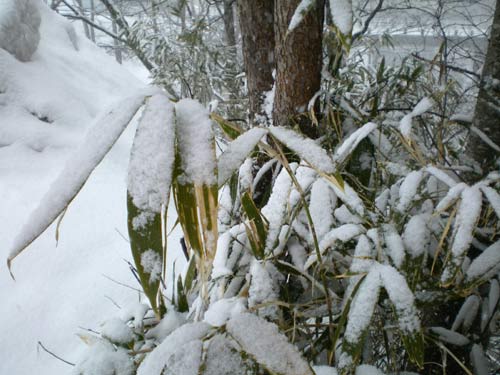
(46, 105)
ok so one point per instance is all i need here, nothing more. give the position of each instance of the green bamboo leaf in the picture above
(257, 226)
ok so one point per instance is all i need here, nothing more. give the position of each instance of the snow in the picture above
(467, 313)
(349, 196)
(152, 156)
(19, 28)
(275, 209)
(450, 337)
(195, 141)
(223, 358)
(493, 197)
(267, 345)
(168, 324)
(394, 244)
(222, 310)
(350, 144)
(77, 170)
(342, 16)
(416, 235)
(493, 296)
(101, 358)
(306, 148)
(175, 343)
(152, 264)
(324, 370)
(134, 312)
(480, 363)
(408, 190)
(300, 12)
(185, 360)
(264, 287)
(486, 264)
(406, 122)
(368, 370)
(441, 175)
(117, 331)
(321, 206)
(237, 151)
(451, 197)
(47, 106)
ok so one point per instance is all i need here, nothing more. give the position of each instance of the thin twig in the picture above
(54, 355)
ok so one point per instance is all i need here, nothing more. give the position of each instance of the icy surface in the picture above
(152, 156)
(19, 27)
(195, 139)
(267, 345)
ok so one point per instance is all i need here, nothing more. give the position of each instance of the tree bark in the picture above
(257, 31)
(487, 112)
(299, 63)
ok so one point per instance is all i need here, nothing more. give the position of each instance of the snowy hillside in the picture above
(46, 104)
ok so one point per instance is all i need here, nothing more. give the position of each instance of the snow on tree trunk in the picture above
(299, 62)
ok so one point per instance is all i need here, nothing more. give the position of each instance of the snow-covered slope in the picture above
(46, 104)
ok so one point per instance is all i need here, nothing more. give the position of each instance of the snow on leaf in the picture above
(342, 16)
(493, 197)
(467, 313)
(394, 244)
(117, 331)
(493, 296)
(195, 141)
(408, 189)
(451, 197)
(451, 337)
(463, 229)
(322, 203)
(222, 310)
(101, 357)
(96, 144)
(152, 156)
(350, 198)
(276, 208)
(416, 235)
(422, 106)
(263, 341)
(480, 363)
(350, 144)
(156, 361)
(306, 148)
(440, 175)
(486, 264)
(237, 151)
(343, 233)
(301, 11)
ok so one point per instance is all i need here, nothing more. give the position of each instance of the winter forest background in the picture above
(249, 187)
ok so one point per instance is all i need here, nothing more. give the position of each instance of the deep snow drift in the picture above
(46, 105)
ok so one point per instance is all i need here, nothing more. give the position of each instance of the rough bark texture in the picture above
(229, 23)
(257, 31)
(299, 62)
(487, 113)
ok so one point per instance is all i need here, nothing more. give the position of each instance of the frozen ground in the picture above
(46, 104)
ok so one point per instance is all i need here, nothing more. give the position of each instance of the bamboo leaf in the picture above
(98, 141)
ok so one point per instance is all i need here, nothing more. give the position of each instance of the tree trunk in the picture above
(257, 31)
(487, 113)
(229, 23)
(299, 62)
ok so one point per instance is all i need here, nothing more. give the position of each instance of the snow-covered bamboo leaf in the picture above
(322, 204)
(463, 231)
(416, 235)
(349, 196)
(350, 144)
(450, 337)
(480, 362)
(404, 303)
(275, 211)
(394, 245)
(342, 15)
(269, 348)
(408, 189)
(485, 265)
(440, 175)
(149, 179)
(195, 188)
(96, 144)
(451, 197)
(467, 313)
(236, 152)
(306, 148)
(493, 197)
